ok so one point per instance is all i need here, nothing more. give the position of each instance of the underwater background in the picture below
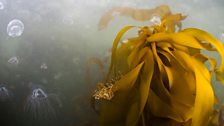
(45, 47)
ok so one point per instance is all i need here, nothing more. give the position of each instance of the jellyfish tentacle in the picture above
(39, 105)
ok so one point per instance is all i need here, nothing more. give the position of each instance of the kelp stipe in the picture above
(161, 77)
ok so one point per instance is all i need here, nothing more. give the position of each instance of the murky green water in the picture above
(51, 53)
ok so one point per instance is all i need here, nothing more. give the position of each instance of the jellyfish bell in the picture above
(6, 100)
(5, 94)
(6, 105)
(39, 104)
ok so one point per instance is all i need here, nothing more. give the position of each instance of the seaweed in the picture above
(160, 77)
(137, 14)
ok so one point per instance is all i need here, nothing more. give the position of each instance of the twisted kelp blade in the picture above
(183, 84)
(173, 20)
(113, 112)
(161, 109)
(135, 57)
(180, 88)
(204, 36)
(179, 38)
(202, 58)
(124, 49)
(200, 79)
(114, 49)
(142, 91)
(163, 104)
(123, 52)
(204, 99)
(175, 57)
(137, 14)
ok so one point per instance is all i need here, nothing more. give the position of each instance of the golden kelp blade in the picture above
(114, 49)
(173, 20)
(138, 105)
(137, 14)
(203, 107)
(113, 112)
(164, 76)
(204, 36)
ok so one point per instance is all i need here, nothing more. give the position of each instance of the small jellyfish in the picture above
(2, 4)
(43, 66)
(76, 60)
(40, 105)
(15, 28)
(13, 60)
(5, 94)
(156, 20)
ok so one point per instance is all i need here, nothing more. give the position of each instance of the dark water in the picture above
(52, 52)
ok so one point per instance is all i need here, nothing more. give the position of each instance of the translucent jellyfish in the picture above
(43, 66)
(15, 28)
(5, 94)
(76, 60)
(13, 60)
(2, 4)
(40, 105)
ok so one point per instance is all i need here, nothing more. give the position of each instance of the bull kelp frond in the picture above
(160, 77)
(137, 14)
